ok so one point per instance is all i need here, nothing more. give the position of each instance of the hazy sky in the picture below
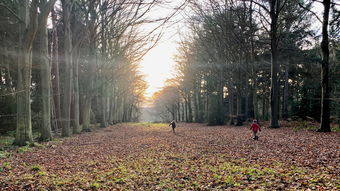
(158, 63)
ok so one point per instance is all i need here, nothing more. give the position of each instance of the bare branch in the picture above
(305, 8)
(12, 12)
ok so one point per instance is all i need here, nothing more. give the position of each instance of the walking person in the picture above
(255, 127)
(173, 125)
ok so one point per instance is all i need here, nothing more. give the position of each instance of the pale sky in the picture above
(158, 64)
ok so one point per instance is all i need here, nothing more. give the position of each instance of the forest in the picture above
(73, 98)
(249, 60)
(67, 65)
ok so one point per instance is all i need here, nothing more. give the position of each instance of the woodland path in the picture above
(198, 157)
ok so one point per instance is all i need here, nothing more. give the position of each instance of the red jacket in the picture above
(255, 127)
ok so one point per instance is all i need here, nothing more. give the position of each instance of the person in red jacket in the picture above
(255, 127)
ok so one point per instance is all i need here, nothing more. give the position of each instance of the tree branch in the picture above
(262, 6)
(12, 12)
(305, 8)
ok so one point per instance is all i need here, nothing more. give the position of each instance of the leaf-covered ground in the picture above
(197, 157)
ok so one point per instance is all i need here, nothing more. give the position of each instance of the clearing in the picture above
(147, 156)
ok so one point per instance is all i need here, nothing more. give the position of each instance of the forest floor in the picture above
(150, 157)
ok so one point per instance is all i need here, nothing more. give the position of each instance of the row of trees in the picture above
(256, 59)
(78, 66)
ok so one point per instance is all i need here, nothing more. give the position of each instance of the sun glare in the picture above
(158, 65)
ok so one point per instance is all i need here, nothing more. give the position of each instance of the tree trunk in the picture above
(27, 31)
(231, 107)
(112, 105)
(285, 93)
(183, 112)
(196, 104)
(274, 90)
(76, 125)
(325, 113)
(255, 101)
(24, 125)
(66, 131)
(178, 111)
(220, 106)
(91, 65)
(186, 109)
(264, 108)
(55, 69)
(189, 109)
(45, 76)
(86, 113)
(103, 123)
(238, 104)
(252, 61)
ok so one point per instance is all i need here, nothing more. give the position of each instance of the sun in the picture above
(158, 65)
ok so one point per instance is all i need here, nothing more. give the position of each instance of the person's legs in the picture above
(254, 133)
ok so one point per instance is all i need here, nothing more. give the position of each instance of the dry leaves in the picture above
(197, 157)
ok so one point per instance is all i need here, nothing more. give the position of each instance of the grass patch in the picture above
(42, 173)
(95, 185)
(6, 140)
(149, 124)
(335, 128)
(37, 145)
(4, 154)
(5, 166)
(24, 149)
(36, 168)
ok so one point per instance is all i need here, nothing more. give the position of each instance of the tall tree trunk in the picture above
(255, 100)
(55, 69)
(27, 31)
(264, 107)
(110, 109)
(200, 105)
(178, 111)
(285, 92)
(231, 107)
(103, 99)
(66, 109)
(238, 105)
(220, 106)
(45, 76)
(274, 90)
(246, 111)
(76, 125)
(186, 109)
(86, 113)
(91, 65)
(112, 105)
(183, 111)
(252, 61)
(24, 124)
(325, 113)
(189, 109)
(196, 104)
